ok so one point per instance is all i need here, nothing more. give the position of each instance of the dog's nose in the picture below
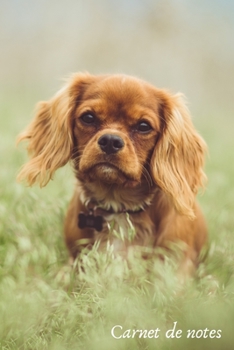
(110, 143)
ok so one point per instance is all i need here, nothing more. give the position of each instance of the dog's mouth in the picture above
(109, 170)
(109, 173)
(106, 166)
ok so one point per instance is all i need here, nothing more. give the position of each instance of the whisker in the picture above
(76, 154)
(147, 176)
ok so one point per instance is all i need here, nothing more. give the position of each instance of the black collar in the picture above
(94, 218)
(102, 211)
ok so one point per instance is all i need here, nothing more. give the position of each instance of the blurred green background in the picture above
(180, 45)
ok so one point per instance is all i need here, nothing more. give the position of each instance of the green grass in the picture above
(45, 304)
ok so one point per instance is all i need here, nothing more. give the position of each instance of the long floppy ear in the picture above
(50, 133)
(178, 158)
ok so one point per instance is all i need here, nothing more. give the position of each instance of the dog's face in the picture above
(119, 131)
(116, 125)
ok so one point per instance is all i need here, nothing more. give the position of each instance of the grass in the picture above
(45, 304)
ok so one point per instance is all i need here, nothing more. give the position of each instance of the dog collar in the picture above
(94, 218)
(112, 211)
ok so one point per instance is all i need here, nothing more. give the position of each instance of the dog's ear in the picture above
(50, 133)
(178, 158)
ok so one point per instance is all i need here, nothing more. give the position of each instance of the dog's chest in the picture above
(122, 231)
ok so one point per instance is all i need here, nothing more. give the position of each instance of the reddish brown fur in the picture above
(160, 170)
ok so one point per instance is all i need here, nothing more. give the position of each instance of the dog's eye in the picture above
(143, 127)
(88, 118)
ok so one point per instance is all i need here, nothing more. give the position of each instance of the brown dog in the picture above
(134, 150)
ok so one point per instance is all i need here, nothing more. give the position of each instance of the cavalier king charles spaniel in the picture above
(137, 159)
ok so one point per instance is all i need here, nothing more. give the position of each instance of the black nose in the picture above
(110, 143)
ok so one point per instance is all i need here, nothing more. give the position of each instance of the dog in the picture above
(137, 159)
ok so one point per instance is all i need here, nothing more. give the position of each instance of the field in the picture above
(44, 304)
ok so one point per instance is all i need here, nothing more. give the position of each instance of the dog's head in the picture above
(119, 131)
